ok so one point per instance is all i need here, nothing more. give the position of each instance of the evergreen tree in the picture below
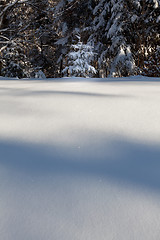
(71, 18)
(79, 63)
(15, 62)
(121, 57)
(147, 29)
(98, 36)
(28, 24)
(35, 36)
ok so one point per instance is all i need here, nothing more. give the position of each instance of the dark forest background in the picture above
(37, 36)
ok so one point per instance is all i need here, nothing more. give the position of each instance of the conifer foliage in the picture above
(79, 62)
(39, 37)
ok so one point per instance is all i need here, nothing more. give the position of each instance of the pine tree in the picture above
(80, 58)
(121, 57)
(15, 62)
(141, 31)
(124, 34)
(71, 18)
(98, 36)
(28, 24)
(147, 39)
(37, 35)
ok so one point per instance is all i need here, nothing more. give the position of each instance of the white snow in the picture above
(80, 159)
(79, 60)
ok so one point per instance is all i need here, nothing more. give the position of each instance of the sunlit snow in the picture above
(80, 159)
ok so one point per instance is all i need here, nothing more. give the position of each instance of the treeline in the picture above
(36, 37)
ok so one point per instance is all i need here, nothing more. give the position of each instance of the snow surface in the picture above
(80, 159)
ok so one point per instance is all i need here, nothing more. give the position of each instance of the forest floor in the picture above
(80, 159)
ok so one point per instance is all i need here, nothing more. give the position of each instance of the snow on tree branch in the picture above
(79, 62)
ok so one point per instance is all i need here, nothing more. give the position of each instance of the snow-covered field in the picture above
(80, 159)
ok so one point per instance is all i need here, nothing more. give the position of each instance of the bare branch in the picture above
(2, 48)
(1, 36)
(4, 30)
(9, 6)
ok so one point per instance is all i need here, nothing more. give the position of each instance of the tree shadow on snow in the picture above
(18, 92)
(116, 159)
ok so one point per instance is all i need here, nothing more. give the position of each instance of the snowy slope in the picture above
(80, 159)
